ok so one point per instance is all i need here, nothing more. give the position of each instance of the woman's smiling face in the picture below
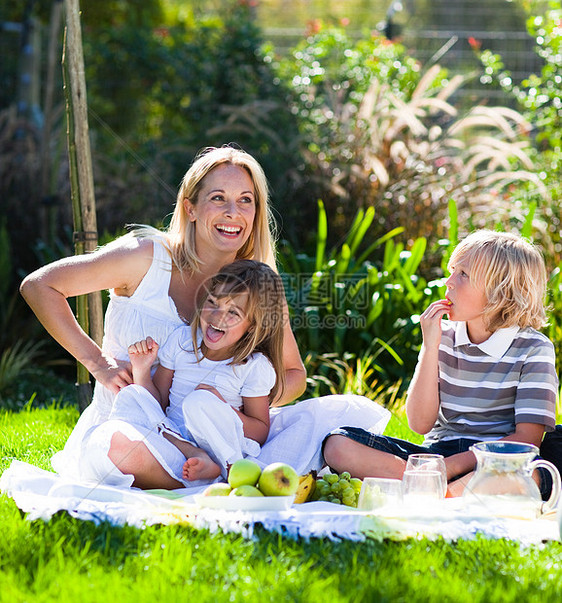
(225, 211)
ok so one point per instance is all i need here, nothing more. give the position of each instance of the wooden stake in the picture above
(89, 309)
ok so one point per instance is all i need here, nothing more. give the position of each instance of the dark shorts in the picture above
(404, 449)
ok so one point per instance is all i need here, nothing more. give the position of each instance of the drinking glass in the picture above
(379, 492)
(429, 462)
(424, 484)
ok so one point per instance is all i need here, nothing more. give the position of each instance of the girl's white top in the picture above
(254, 377)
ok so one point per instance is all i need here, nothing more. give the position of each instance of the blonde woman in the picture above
(221, 214)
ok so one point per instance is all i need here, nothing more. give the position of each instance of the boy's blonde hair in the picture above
(512, 273)
(181, 232)
(265, 309)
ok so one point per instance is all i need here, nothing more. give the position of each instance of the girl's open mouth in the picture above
(213, 334)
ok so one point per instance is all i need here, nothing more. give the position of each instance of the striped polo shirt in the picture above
(486, 389)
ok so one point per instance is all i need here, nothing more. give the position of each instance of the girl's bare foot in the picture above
(200, 467)
(199, 464)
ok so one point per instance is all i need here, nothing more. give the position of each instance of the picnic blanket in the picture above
(41, 493)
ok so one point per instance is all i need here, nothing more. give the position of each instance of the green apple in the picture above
(245, 490)
(220, 489)
(278, 479)
(244, 473)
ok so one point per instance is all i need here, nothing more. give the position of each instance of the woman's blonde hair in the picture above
(181, 232)
(264, 310)
(512, 273)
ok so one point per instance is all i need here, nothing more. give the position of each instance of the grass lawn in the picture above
(69, 560)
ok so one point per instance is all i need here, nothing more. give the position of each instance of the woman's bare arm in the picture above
(120, 266)
(295, 373)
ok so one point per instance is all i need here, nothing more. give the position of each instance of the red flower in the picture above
(313, 27)
(474, 43)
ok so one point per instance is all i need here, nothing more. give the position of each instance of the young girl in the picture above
(485, 374)
(214, 382)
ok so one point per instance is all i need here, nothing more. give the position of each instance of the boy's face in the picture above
(467, 299)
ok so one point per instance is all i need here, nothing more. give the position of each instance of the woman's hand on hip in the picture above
(113, 374)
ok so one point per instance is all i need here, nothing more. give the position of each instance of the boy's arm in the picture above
(537, 388)
(422, 402)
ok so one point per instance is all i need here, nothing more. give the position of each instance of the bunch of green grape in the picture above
(341, 489)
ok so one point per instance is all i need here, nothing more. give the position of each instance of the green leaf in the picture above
(380, 241)
(355, 226)
(413, 294)
(322, 236)
(343, 261)
(377, 306)
(416, 255)
(527, 229)
(389, 349)
(359, 233)
(392, 253)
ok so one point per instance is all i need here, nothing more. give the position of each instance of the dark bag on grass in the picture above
(551, 447)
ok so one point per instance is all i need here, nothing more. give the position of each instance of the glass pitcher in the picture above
(503, 480)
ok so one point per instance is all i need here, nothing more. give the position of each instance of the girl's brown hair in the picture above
(264, 309)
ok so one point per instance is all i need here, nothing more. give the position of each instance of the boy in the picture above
(485, 374)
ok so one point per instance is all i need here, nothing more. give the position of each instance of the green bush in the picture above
(194, 80)
(18, 349)
(359, 304)
(378, 129)
(355, 313)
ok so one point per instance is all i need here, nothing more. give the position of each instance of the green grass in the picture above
(69, 560)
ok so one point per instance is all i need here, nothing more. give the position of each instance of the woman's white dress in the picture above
(149, 311)
(296, 432)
